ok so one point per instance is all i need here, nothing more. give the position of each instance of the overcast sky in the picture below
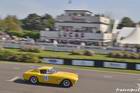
(114, 8)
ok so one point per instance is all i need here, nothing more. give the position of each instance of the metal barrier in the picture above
(62, 47)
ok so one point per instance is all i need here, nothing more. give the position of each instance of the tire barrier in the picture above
(93, 63)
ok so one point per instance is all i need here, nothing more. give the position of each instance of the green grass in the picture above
(67, 55)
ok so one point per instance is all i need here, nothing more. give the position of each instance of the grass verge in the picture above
(67, 55)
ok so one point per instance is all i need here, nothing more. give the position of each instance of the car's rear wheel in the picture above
(66, 83)
(33, 80)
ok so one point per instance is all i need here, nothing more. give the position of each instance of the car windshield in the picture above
(51, 71)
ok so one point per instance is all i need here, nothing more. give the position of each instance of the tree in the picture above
(32, 22)
(112, 22)
(31, 34)
(16, 33)
(126, 22)
(10, 23)
(24, 34)
(2, 26)
(36, 22)
(47, 21)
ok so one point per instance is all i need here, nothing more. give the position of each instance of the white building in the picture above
(131, 38)
(80, 26)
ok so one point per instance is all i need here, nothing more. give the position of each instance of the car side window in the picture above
(43, 71)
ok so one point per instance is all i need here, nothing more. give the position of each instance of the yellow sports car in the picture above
(48, 74)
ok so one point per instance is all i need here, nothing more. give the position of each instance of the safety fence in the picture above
(93, 63)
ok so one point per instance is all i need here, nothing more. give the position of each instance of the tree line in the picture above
(33, 23)
(29, 26)
(126, 22)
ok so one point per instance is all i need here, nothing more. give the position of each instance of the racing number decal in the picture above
(46, 77)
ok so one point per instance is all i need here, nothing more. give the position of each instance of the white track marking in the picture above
(13, 79)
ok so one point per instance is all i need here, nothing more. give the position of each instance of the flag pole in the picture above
(70, 1)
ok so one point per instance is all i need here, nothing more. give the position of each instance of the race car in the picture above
(49, 75)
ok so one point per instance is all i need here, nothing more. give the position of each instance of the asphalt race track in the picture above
(90, 81)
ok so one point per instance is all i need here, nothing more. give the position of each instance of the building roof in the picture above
(133, 37)
(78, 10)
(124, 32)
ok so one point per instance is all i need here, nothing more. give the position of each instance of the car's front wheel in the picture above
(33, 80)
(66, 83)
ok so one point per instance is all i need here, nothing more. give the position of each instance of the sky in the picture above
(114, 8)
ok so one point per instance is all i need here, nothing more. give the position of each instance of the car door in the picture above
(43, 76)
(46, 77)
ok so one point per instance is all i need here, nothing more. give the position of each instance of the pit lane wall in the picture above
(93, 63)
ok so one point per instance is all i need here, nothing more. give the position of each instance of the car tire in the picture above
(66, 83)
(33, 80)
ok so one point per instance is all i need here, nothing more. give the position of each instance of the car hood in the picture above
(66, 74)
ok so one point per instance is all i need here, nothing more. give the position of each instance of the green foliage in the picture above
(126, 22)
(67, 55)
(2, 25)
(112, 22)
(27, 27)
(89, 53)
(135, 56)
(32, 22)
(127, 55)
(16, 33)
(47, 21)
(74, 52)
(123, 54)
(28, 57)
(31, 34)
(24, 34)
(30, 49)
(8, 55)
(36, 22)
(5, 54)
(85, 53)
(10, 23)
